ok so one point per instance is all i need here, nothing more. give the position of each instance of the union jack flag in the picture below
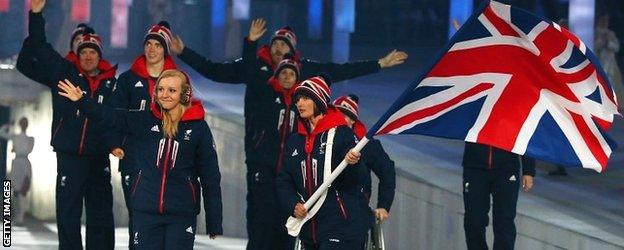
(517, 82)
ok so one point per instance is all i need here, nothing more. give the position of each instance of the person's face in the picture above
(89, 60)
(75, 42)
(278, 49)
(23, 123)
(169, 92)
(305, 105)
(287, 78)
(154, 51)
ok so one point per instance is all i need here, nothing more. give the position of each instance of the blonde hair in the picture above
(169, 122)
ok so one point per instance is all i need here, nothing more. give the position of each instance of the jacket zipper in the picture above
(310, 190)
(163, 179)
(285, 128)
(82, 136)
(136, 183)
(192, 189)
(84, 128)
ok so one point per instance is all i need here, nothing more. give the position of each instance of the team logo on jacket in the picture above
(155, 128)
(189, 229)
(264, 68)
(187, 135)
(139, 84)
(322, 148)
(277, 100)
(512, 178)
(295, 153)
(63, 178)
(136, 238)
(100, 99)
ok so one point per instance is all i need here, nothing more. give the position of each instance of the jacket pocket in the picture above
(341, 206)
(136, 182)
(258, 139)
(58, 127)
(192, 188)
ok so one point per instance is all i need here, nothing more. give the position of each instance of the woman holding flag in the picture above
(340, 218)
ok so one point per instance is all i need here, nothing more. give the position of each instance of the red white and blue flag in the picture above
(517, 82)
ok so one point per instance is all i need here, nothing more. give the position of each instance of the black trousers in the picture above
(155, 231)
(503, 186)
(84, 178)
(265, 222)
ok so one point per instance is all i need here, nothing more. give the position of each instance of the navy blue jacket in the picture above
(271, 110)
(72, 132)
(344, 215)
(134, 91)
(488, 157)
(171, 170)
(262, 112)
(375, 158)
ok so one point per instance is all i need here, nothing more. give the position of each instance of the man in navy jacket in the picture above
(83, 168)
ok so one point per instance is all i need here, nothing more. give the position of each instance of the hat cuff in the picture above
(160, 39)
(289, 66)
(320, 104)
(348, 113)
(292, 48)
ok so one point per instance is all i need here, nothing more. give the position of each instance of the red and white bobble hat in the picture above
(317, 89)
(160, 32)
(348, 104)
(287, 35)
(90, 41)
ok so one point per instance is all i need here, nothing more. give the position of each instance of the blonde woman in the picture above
(176, 156)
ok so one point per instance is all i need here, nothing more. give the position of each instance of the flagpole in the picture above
(294, 224)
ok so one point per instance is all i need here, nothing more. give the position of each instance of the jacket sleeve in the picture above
(345, 141)
(122, 120)
(250, 62)
(383, 167)
(37, 59)
(339, 72)
(210, 178)
(286, 187)
(228, 72)
(528, 165)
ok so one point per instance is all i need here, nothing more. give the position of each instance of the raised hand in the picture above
(69, 90)
(393, 58)
(177, 46)
(37, 5)
(257, 29)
